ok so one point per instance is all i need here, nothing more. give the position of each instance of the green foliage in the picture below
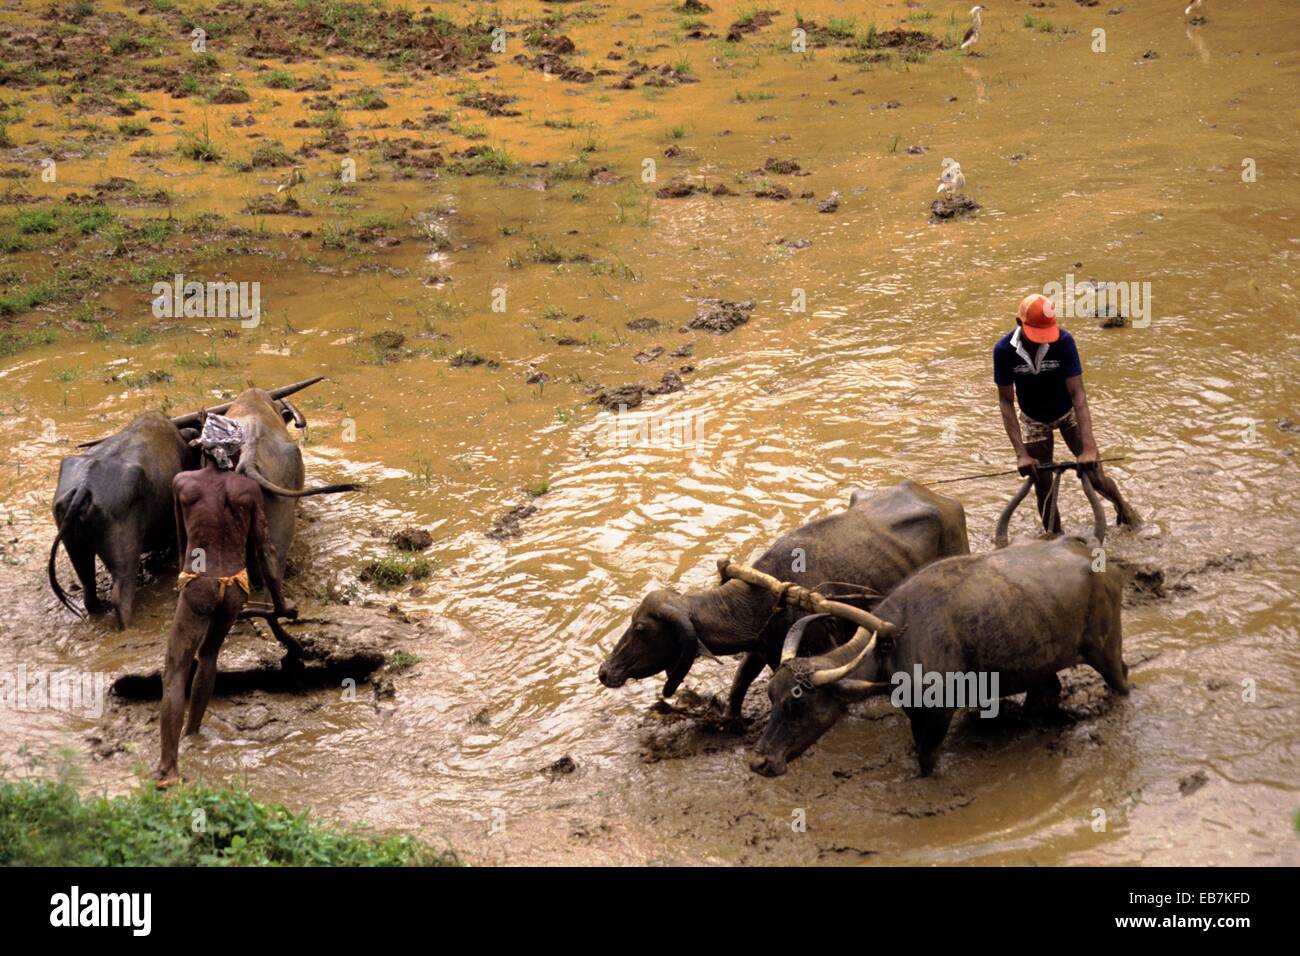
(490, 160)
(402, 661)
(46, 823)
(207, 359)
(32, 221)
(11, 343)
(279, 80)
(268, 154)
(394, 569)
(199, 147)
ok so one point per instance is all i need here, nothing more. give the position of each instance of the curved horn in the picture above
(830, 675)
(688, 643)
(794, 636)
(298, 421)
(862, 688)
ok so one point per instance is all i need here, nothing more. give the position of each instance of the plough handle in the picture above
(1000, 534)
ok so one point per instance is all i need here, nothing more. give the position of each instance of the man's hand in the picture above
(1088, 458)
(1027, 464)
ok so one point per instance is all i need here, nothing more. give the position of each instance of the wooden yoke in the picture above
(806, 599)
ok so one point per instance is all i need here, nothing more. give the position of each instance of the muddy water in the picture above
(1103, 165)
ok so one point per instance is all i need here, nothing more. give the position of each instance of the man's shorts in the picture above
(1033, 431)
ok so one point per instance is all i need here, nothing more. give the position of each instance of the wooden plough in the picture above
(1000, 536)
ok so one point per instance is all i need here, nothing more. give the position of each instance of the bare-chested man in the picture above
(217, 510)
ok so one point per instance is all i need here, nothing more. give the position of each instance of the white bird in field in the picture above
(293, 179)
(1194, 5)
(951, 178)
(973, 33)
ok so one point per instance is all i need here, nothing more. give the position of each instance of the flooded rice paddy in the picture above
(473, 263)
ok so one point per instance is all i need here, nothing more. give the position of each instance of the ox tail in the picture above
(272, 488)
(80, 500)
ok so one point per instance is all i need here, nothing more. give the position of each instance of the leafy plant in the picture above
(46, 823)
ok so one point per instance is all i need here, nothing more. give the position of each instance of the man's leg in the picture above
(188, 628)
(205, 678)
(1104, 484)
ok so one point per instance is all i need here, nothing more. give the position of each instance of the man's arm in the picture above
(182, 542)
(1088, 455)
(1025, 462)
(264, 549)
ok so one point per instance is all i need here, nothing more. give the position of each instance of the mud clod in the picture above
(561, 768)
(958, 206)
(621, 396)
(718, 316)
(411, 539)
(508, 525)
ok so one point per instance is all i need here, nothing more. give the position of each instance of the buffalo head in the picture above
(808, 696)
(660, 638)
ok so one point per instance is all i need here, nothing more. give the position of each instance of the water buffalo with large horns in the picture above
(879, 540)
(114, 500)
(272, 458)
(1018, 615)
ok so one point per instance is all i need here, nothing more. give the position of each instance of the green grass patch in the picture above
(11, 342)
(31, 222)
(394, 569)
(207, 359)
(279, 80)
(199, 147)
(402, 661)
(486, 160)
(47, 823)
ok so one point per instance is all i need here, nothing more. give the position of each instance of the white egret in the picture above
(973, 33)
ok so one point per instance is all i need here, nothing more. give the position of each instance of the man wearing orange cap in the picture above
(1036, 366)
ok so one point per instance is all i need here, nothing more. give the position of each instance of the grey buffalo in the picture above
(272, 458)
(878, 541)
(1022, 614)
(114, 502)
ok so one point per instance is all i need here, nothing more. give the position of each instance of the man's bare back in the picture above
(219, 514)
(215, 512)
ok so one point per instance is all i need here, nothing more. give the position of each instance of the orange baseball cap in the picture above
(1038, 319)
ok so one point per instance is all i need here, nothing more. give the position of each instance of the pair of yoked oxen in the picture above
(114, 501)
(1022, 613)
